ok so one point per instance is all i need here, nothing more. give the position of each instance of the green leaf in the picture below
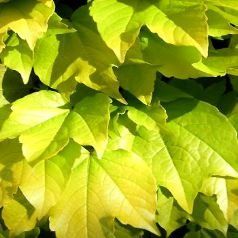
(48, 179)
(220, 62)
(208, 214)
(203, 233)
(18, 215)
(13, 87)
(232, 192)
(11, 167)
(136, 83)
(89, 122)
(218, 187)
(77, 57)
(57, 25)
(27, 18)
(218, 23)
(170, 215)
(122, 231)
(18, 56)
(191, 147)
(120, 185)
(171, 60)
(222, 17)
(45, 128)
(170, 21)
(3, 100)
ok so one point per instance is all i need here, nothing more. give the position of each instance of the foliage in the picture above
(118, 119)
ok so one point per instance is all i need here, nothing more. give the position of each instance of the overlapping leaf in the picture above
(27, 18)
(38, 112)
(180, 150)
(175, 23)
(61, 60)
(120, 185)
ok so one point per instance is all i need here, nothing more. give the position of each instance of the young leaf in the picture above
(18, 56)
(27, 18)
(41, 111)
(170, 21)
(178, 150)
(120, 185)
(48, 179)
(77, 57)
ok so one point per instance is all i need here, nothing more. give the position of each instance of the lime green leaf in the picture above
(61, 60)
(18, 215)
(104, 78)
(18, 56)
(140, 84)
(171, 60)
(232, 191)
(27, 18)
(208, 214)
(57, 25)
(122, 231)
(32, 110)
(13, 87)
(45, 128)
(90, 119)
(221, 16)
(219, 25)
(220, 62)
(120, 185)
(181, 147)
(170, 215)
(203, 233)
(217, 186)
(166, 92)
(191, 122)
(2, 38)
(48, 179)
(3, 100)
(11, 167)
(170, 21)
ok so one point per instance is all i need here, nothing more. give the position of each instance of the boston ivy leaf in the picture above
(207, 214)
(45, 128)
(76, 57)
(57, 25)
(171, 60)
(222, 17)
(11, 165)
(122, 231)
(220, 62)
(103, 79)
(18, 56)
(48, 178)
(3, 100)
(128, 17)
(166, 92)
(27, 18)
(219, 25)
(170, 148)
(13, 87)
(89, 122)
(218, 187)
(18, 214)
(111, 187)
(170, 215)
(203, 233)
(136, 83)
(232, 192)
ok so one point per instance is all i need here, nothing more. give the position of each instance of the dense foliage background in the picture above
(118, 119)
